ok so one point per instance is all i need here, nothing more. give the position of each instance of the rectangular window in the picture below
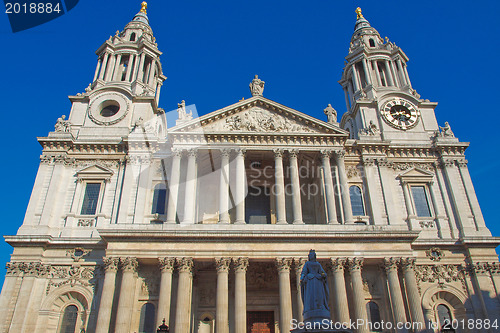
(420, 200)
(90, 199)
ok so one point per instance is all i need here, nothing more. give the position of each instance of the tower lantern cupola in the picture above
(373, 66)
(131, 59)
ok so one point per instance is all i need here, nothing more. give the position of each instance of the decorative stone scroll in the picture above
(283, 264)
(240, 264)
(222, 264)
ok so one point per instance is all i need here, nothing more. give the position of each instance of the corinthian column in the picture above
(108, 290)
(299, 265)
(341, 307)
(294, 175)
(344, 188)
(279, 179)
(354, 265)
(417, 315)
(283, 265)
(221, 301)
(330, 195)
(173, 186)
(184, 295)
(166, 268)
(190, 195)
(224, 187)
(240, 291)
(241, 184)
(127, 294)
(398, 309)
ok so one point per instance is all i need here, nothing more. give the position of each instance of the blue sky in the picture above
(213, 49)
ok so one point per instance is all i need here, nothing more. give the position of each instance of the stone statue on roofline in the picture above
(331, 113)
(257, 86)
(181, 110)
(62, 125)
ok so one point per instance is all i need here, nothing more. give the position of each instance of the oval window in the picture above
(109, 108)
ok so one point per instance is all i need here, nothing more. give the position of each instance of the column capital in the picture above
(354, 264)
(391, 264)
(222, 264)
(110, 263)
(177, 152)
(240, 152)
(299, 264)
(408, 264)
(368, 161)
(337, 264)
(283, 264)
(193, 152)
(186, 264)
(129, 264)
(339, 154)
(166, 264)
(278, 153)
(293, 153)
(225, 152)
(240, 264)
(326, 153)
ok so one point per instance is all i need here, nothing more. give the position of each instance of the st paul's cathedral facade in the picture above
(207, 223)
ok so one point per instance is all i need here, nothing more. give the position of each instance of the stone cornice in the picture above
(277, 233)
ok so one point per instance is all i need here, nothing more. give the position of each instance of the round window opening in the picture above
(109, 108)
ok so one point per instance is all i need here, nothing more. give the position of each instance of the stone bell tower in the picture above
(381, 103)
(126, 87)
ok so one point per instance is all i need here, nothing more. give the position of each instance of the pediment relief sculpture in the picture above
(258, 120)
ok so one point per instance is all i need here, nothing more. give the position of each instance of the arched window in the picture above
(132, 37)
(358, 209)
(372, 43)
(68, 322)
(147, 323)
(159, 199)
(444, 314)
(374, 313)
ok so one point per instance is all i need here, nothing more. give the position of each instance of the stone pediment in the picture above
(416, 174)
(258, 115)
(94, 172)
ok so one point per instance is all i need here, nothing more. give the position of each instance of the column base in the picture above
(298, 222)
(240, 222)
(282, 222)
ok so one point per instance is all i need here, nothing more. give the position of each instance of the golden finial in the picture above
(144, 6)
(358, 11)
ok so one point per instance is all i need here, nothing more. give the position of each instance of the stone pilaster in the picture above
(299, 265)
(355, 265)
(190, 195)
(126, 300)
(241, 184)
(414, 302)
(173, 185)
(224, 187)
(166, 266)
(240, 290)
(108, 290)
(390, 266)
(295, 180)
(184, 295)
(280, 186)
(344, 187)
(341, 308)
(221, 301)
(283, 265)
(329, 189)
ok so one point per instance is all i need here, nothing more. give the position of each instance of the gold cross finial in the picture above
(358, 11)
(144, 6)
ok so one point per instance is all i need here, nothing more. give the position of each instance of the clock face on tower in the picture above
(400, 114)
